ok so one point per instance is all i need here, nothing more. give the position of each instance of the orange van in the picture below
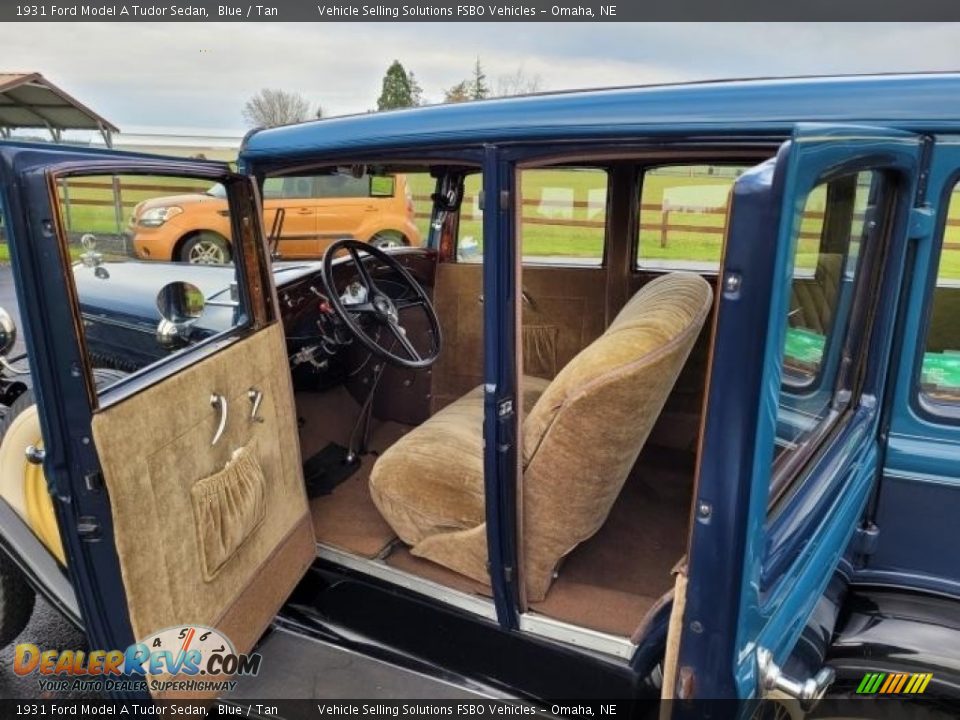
(314, 211)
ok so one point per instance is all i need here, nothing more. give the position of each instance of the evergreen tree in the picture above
(396, 91)
(478, 86)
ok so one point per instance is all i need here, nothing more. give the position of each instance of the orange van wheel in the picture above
(205, 248)
(389, 239)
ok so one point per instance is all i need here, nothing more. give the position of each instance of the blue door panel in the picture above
(754, 581)
(918, 503)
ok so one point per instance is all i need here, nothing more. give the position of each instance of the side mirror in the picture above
(180, 305)
(8, 333)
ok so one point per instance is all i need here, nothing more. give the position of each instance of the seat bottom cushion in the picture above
(429, 484)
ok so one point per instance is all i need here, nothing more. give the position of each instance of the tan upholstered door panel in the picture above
(214, 535)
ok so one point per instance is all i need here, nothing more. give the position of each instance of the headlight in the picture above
(155, 217)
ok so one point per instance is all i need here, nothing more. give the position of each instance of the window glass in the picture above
(470, 236)
(683, 216)
(152, 263)
(819, 339)
(940, 369)
(564, 215)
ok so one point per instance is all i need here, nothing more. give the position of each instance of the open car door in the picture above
(178, 489)
(807, 302)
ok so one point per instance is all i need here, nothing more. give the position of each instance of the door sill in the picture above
(530, 623)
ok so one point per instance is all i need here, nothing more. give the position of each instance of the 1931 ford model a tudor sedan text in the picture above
(667, 403)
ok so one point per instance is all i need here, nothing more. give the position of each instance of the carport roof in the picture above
(28, 100)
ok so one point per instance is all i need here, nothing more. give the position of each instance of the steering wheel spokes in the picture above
(379, 308)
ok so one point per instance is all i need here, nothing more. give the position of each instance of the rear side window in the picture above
(940, 368)
(683, 216)
(337, 185)
(564, 215)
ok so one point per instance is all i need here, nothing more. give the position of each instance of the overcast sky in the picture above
(199, 75)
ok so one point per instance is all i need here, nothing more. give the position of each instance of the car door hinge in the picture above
(88, 528)
(865, 539)
(508, 573)
(505, 408)
(922, 221)
(504, 199)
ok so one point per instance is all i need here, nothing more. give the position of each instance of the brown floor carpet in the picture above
(401, 559)
(609, 582)
(346, 518)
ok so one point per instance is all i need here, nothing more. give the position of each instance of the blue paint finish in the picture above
(730, 550)
(499, 376)
(919, 496)
(922, 102)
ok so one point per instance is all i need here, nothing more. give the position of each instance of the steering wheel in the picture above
(381, 308)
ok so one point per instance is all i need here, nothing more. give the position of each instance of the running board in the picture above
(297, 667)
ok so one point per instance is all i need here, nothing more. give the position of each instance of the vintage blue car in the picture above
(667, 406)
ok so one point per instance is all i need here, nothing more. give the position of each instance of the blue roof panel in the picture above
(929, 102)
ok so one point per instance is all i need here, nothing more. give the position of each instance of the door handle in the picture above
(256, 397)
(771, 678)
(219, 401)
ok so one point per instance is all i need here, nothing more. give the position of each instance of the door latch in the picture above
(771, 679)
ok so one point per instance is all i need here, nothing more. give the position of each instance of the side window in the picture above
(470, 234)
(683, 216)
(298, 187)
(564, 215)
(152, 265)
(824, 330)
(940, 369)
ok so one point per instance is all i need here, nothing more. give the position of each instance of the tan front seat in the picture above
(582, 433)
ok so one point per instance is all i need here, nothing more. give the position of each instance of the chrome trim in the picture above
(256, 397)
(545, 627)
(531, 623)
(379, 569)
(8, 332)
(221, 402)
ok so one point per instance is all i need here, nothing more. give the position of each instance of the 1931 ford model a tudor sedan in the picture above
(667, 403)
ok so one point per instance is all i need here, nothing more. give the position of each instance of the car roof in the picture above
(927, 102)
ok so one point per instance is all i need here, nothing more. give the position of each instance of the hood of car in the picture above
(185, 200)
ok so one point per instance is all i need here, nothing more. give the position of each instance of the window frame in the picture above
(247, 261)
(929, 409)
(790, 471)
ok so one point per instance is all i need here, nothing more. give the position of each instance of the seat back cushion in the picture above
(584, 434)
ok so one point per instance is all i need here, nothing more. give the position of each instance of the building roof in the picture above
(921, 101)
(28, 100)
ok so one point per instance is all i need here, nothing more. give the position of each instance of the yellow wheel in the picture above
(22, 484)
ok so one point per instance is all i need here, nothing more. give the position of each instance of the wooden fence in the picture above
(114, 198)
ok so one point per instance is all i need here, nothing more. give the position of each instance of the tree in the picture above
(399, 90)
(518, 83)
(269, 108)
(416, 92)
(458, 93)
(478, 85)
(319, 113)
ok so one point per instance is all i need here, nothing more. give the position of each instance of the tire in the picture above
(205, 248)
(388, 239)
(16, 601)
(16, 596)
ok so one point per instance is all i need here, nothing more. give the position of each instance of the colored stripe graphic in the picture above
(894, 683)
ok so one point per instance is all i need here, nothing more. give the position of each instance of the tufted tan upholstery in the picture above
(813, 301)
(582, 433)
